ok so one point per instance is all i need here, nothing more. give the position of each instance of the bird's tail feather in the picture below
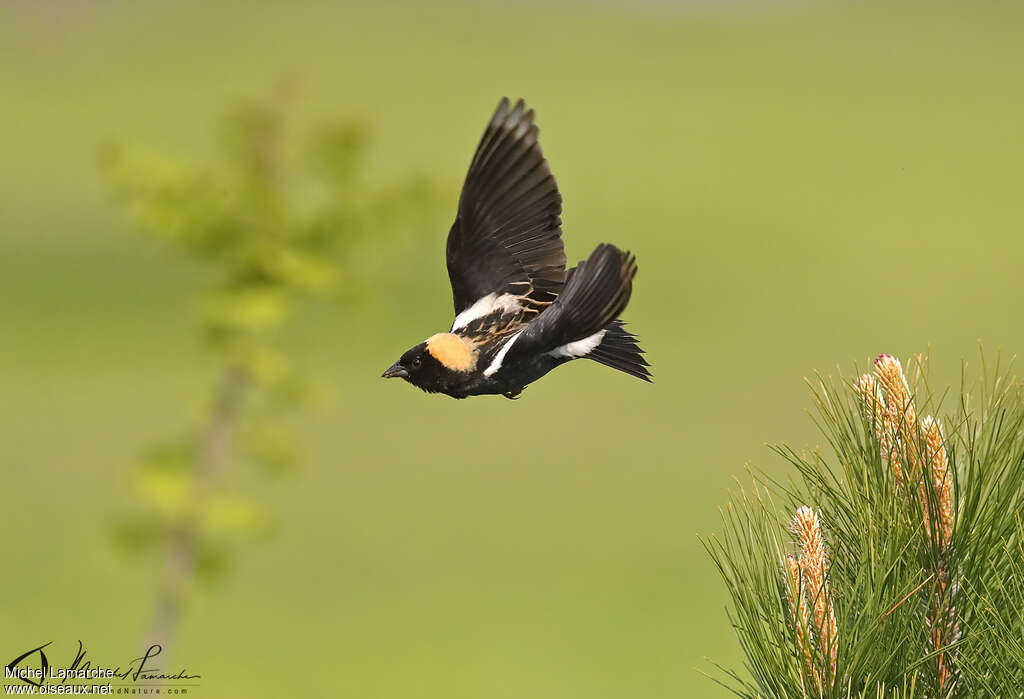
(619, 350)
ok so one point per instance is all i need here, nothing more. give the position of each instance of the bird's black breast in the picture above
(515, 375)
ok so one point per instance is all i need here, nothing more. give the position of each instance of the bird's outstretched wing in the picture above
(507, 236)
(576, 323)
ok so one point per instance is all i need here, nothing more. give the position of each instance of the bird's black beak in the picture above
(394, 370)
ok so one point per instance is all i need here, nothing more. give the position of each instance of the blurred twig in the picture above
(277, 217)
(179, 565)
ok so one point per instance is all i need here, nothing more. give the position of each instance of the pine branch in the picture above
(922, 589)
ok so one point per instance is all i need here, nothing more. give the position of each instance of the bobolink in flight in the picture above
(518, 312)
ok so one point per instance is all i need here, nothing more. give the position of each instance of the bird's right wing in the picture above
(596, 293)
(507, 238)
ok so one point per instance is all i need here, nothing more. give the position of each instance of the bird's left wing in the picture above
(505, 246)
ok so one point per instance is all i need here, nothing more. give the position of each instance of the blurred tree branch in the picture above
(278, 216)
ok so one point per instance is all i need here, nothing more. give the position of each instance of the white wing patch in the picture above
(485, 306)
(496, 364)
(580, 348)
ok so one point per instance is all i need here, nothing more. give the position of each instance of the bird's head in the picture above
(415, 366)
(436, 364)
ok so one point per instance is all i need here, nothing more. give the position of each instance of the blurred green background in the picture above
(804, 186)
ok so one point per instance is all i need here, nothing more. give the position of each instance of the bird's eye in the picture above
(416, 363)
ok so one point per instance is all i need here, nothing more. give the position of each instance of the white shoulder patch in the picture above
(507, 303)
(580, 348)
(500, 357)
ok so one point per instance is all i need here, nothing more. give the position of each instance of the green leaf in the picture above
(233, 514)
(168, 492)
(139, 532)
(266, 366)
(256, 308)
(300, 270)
(270, 445)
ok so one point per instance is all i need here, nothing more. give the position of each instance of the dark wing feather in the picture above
(596, 293)
(507, 236)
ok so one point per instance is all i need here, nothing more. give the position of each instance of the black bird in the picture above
(518, 312)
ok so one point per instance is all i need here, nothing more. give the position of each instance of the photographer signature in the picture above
(141, 668)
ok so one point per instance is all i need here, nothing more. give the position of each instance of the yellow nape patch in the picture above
(452, 351)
